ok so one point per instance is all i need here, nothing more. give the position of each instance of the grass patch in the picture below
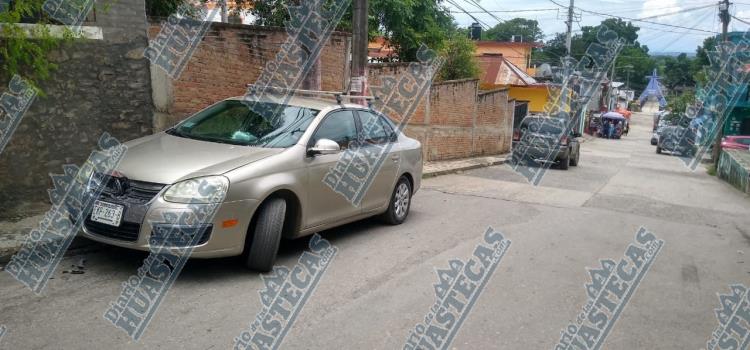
(711, 170)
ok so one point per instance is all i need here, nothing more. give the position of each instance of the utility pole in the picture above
(612, 85)
(569, 34)
(628, 69)
(224, 17)
(358, 84)
(725, 18)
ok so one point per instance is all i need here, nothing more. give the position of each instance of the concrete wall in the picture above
(100, 85)
(228, 58)
(455, 120)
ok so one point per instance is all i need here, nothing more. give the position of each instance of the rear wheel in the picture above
(574, 160)
(565, 161)
(263, 244)
(398, 209)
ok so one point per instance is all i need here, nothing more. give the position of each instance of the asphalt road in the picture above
(380, 283)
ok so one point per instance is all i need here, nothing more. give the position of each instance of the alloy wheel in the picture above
(401, 200)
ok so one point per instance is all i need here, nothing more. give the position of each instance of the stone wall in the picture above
(229, 57)
(456, 119)
(100, 85)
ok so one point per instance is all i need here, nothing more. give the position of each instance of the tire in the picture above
(262, 244)
(574, 160)
(653, 142)
(565, 161)
(397, 213)
(658, 149)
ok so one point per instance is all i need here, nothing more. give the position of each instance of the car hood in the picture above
(166, 159)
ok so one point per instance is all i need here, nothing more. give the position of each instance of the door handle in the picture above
(395, 157)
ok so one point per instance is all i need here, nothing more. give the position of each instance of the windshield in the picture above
(233, 122)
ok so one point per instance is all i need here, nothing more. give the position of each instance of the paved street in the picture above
(381, 282)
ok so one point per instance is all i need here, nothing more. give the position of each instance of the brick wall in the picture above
(455, 120)
(231, 56)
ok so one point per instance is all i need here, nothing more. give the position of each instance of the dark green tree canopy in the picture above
(634, 56)
(678, 72)
(528, 29)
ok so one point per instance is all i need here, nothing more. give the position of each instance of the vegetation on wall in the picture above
(24, 48)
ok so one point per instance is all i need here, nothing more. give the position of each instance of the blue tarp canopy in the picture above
(653, 88)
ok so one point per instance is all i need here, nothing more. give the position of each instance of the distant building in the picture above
(518, 53)
(380, 50)
(497, 72)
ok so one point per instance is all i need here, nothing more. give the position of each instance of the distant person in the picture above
(611, 130)
(618, 128)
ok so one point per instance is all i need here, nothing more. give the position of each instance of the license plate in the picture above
(107, 213)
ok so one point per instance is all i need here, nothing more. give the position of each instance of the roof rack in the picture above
(340, 96)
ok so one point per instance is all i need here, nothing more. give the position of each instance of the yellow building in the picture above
(497, 71)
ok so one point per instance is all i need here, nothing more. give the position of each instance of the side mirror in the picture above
(324, 146)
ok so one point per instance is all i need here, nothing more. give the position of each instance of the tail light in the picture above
(516, 135)
(564, 140)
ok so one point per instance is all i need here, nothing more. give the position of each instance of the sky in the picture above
(551, 18)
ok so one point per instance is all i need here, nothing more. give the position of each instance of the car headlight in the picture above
(200, 190)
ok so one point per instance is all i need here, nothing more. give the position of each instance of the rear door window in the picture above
(373, 130)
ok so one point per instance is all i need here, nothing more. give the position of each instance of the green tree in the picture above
(678, 104)
(162, 8)
(460, 59)
(271, 12)
(24, 50)
(701, 60)
(678, 72)
(633, 54)
(407, 24)
(528, 29)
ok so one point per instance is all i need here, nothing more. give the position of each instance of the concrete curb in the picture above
(435, 173)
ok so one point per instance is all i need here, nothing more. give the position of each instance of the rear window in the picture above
(543, 125)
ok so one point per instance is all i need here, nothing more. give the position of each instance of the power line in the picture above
(741, 20)
(698, 22)
(507, 11)
(678, 12)
(469, 14)
(644, 21)
(476, 4)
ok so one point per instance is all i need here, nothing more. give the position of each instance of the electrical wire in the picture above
(635, 19)
(452, 2)
(678, 12)
(741, 20)
(507, 11)
(476, 4)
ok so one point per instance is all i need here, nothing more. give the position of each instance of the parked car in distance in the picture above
(736, 142)
(269, 161)
(546, 139)
(676, 140)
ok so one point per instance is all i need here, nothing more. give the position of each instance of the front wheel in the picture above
(658, 150)
(263, 242)
(398, 209)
